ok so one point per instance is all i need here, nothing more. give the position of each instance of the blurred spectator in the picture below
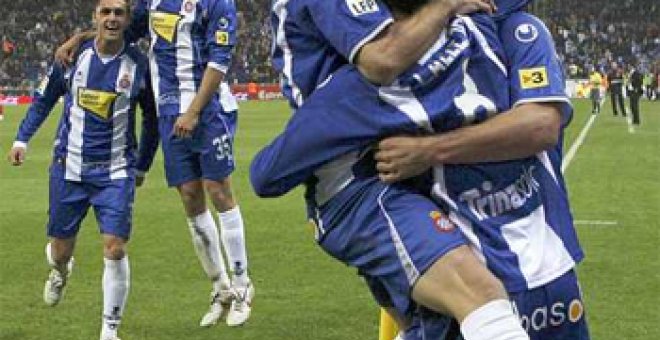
(599, 33)
(595, 33)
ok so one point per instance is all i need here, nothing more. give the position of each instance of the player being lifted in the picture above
(94, 160)
(190, 50)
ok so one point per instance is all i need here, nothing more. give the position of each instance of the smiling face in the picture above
(112, 18)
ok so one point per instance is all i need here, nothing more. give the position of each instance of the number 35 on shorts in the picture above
(222, 146)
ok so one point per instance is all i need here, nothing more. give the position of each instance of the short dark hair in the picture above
(405, 6)
(128, 3)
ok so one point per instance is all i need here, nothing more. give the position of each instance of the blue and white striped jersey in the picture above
(313, 38)
(515, 213)
(448, 83)
(185, 36)
(97, 127)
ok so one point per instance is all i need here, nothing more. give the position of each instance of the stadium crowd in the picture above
(588, 34)
(594, 34)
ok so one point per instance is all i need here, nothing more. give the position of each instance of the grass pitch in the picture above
(302, 294)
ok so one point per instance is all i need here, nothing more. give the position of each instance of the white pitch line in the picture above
(576, 145)
(603, 223)
(596, 222)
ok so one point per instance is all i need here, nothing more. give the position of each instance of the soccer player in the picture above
(540, 278)
(483, 197)
(190, 52)
(94, 160)
(334, 196)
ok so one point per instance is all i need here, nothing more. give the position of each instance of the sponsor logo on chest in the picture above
(96, 102)
(164, 25)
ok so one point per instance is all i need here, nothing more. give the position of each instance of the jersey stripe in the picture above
(279, 8)
(542, 255)
(153, 63)
(185, 59)
(77, 118)
(121, 125)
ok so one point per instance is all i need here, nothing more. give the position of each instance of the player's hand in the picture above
(399, 158)
(185, 125)
(16, 156)
(470, 6)
(65, 53)
(139, 180)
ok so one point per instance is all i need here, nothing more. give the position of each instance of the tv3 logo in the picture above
(222, 147)
(360, 7)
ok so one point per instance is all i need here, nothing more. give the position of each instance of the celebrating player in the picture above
(348, 205)
(94, 160)
(190, 52)
(536, 119)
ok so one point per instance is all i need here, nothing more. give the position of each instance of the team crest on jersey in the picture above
(526, 33)
(532, 78)
(441, 222)
(360, 7)
(189, 6)
(96, 102)
(164, 25)
(125, 82)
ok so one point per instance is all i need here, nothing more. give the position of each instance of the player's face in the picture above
(111, 19)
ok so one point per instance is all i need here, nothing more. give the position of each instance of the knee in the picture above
(478, 280)
(114, 248)
(457, 284)
(220, 193)
(192, 197)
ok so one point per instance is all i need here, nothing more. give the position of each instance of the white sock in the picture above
(233, 240)
(206, 241)
(116, 283)
(493, 321)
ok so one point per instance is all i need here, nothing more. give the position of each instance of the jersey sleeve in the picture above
(536, 74)
(344, 115)
(149, 133)
(221, 34)
(350, 24)
(52, 87)
(139, 22)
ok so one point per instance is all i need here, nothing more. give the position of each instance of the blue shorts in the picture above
(553, 311)
(391, 234)
(207, 154)
(69, 202)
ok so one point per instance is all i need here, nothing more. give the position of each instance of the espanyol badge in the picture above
(124, 82)
(526, 33)
(189, 6)
(441, 222)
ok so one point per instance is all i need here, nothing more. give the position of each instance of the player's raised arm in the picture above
(540, 110)
(66, 52)
(51, 89)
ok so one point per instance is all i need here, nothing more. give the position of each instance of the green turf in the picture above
(302, 293)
